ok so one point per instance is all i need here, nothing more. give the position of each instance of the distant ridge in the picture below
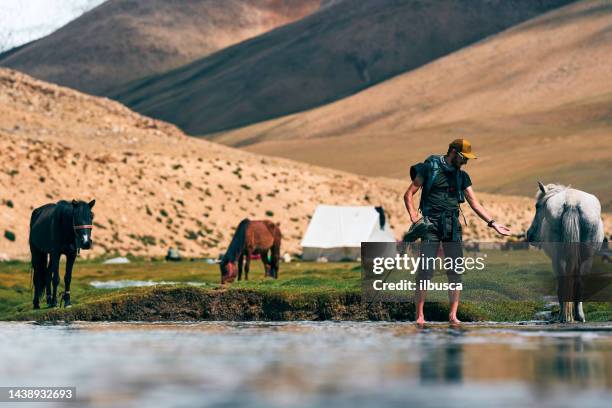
(536, 101)
(341, 49)
(122, 40)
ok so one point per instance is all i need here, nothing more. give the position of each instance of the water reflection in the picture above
(443, 364)
(310, 364)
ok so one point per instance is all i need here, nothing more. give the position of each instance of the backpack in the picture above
(430, 169)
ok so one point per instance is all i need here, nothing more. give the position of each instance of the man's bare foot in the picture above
(454, 320)
(420, 320)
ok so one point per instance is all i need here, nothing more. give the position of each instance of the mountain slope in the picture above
(123, 40)
(155, 187)
(343, 48)
(536, 101)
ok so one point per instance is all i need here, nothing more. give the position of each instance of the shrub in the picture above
(191, 235)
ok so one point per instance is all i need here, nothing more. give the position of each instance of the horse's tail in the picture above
(570, 230)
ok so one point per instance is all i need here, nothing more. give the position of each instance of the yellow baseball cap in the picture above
(464, 147)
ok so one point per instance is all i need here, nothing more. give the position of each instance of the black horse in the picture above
(55, 230)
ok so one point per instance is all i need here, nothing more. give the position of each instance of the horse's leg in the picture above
(48, 278)
(579, 312)
(240, 262)
(564, 304)
(54, 271)
(560, 272)
(276, 251)
(70, 257)
(39, 266)
(266, 263)
(584, 270)
(275, 259)
(570, 295)
(247, 264)
(38, 286)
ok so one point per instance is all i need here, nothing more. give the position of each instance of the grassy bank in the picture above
(305, 291)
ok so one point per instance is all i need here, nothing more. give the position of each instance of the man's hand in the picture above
(501, 229)
(483, 214)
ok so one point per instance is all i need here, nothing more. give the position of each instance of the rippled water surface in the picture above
(310, 364)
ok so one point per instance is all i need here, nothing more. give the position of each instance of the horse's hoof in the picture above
(67, 306)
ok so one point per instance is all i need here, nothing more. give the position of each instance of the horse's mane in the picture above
(551, 190)
(66, 210)
(238, 242)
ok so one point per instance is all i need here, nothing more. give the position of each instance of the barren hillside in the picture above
(343, 48)
(536, 101)
(122, 40)
(156, 187)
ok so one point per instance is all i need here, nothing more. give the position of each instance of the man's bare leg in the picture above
(420, 303)
(453, 299)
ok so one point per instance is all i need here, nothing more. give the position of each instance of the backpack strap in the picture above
(432, 169)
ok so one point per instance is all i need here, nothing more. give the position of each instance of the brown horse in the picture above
(251, 237)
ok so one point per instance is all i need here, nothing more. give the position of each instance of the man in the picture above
(445, 186)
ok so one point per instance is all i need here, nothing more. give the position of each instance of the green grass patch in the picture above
(304, 291)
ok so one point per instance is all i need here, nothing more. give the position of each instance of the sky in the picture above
(22, 21)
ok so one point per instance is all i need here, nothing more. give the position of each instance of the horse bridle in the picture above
(80, 227)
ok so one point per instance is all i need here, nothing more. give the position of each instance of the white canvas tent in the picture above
(336, 232)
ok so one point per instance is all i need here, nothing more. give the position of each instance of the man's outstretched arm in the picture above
(409, 198)
(482, 213)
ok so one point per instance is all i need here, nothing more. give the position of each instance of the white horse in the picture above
(568, 226)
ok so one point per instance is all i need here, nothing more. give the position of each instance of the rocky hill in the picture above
(156, 188)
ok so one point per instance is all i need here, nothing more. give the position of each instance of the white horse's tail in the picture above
(570, 221)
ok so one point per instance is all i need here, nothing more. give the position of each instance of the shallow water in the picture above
(323, 364)
(119, 284)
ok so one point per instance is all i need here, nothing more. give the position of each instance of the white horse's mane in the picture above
(551, 190)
